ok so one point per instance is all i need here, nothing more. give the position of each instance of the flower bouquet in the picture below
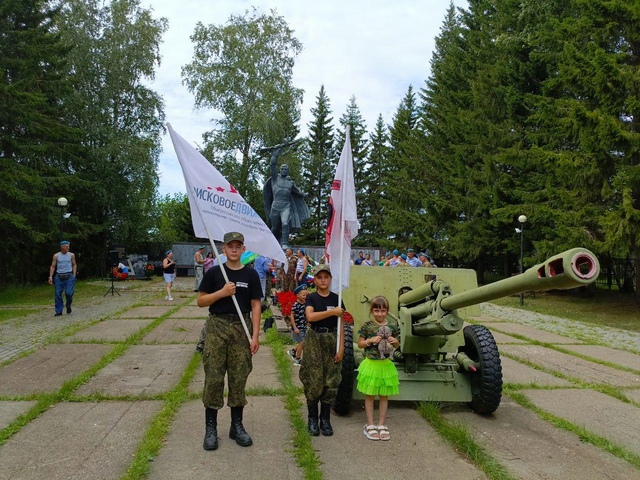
(149, 268)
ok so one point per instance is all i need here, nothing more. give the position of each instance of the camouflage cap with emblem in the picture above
(233, 236)
(321, 267)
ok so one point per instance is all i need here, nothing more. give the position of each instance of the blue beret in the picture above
(168, 252)
(299, 288)
(64, 242)
(404, 257)
(396, 252)
(302, 250)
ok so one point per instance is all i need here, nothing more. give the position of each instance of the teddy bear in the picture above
(384, 347)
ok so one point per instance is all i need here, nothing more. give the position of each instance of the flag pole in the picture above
(226, 279)
(339, 331)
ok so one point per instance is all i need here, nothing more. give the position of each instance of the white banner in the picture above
(218, 207)
(342, 227)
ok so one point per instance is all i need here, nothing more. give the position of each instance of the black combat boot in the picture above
(325, 416)
(314, 430)
(210, 429)
(237, 431)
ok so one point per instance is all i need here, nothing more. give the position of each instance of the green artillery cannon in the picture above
(438, 359)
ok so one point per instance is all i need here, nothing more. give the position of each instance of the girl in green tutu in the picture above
(377, 375)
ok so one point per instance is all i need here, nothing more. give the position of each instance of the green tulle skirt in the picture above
(378, 377)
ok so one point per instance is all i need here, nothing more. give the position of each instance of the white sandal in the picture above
(383, 432)
(371, 432)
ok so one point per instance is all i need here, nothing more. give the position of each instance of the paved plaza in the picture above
(82, 395)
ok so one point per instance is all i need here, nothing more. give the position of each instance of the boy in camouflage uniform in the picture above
(227, 349)
(321, 371)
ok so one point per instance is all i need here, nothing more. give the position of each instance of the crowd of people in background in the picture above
(409, 258)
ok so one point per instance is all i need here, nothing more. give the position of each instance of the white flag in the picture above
(218, 207)
(342, 226)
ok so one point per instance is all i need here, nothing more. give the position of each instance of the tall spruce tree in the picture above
(352, 118)
(371, 207)
(35, 141)
(318, 169)
(403, 203)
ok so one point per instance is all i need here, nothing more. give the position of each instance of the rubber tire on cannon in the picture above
(486, 383)
(342, 403)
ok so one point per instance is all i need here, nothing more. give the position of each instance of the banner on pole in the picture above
(342, 223)
(216, 203)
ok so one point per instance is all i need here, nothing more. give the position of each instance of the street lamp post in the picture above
(62, 203)
(522, 219)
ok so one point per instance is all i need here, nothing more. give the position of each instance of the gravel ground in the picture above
(607, 336)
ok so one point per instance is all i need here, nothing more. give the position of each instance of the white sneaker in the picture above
(169, 298)
(166, 297)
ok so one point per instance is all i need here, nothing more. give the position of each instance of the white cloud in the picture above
(373, 49)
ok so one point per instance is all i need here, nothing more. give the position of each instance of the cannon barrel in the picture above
(569, 269)
(573, 268)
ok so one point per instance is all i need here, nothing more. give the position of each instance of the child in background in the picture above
(298, 323)
(377, 376)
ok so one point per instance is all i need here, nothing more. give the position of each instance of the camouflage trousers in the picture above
(199, 274)
(226, 351)
(319, 373)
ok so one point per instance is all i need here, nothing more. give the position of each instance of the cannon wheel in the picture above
(486, 384)
(342, 403)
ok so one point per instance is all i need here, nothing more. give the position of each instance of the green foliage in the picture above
(35, 142)
(173, 222)
(243, 69)
(318, 167)
(371, 199)
(114, 49)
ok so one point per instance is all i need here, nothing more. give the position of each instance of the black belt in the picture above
(231, 317)
(63, 276)
(199, 266)
(324, 329)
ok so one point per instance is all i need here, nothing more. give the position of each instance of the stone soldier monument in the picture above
(283, 201)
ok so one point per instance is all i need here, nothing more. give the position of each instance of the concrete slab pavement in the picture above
(532, 333)
(516, 372)
(182, 456)
(599, 413)
(415, 451)
(175, 331)
(9, 411)
(78, 440)
(530, 448)
(109, 331)
(611, 355)
(191, 312)
(572, 366)
(47, 369)
(153, 311)
(142, 370)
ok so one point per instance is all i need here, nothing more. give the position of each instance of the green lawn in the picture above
(43, 294)
(610, 308)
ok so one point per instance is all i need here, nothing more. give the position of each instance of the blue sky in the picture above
(373, 49)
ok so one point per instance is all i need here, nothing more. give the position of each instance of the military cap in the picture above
(409, 250)
(233, 236)
(321, 267)
(201, 247)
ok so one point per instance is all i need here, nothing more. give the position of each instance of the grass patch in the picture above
(303, 451)
(605, 308)
(13, 313)
(43, 294)
(583, 434)
(462, 440)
